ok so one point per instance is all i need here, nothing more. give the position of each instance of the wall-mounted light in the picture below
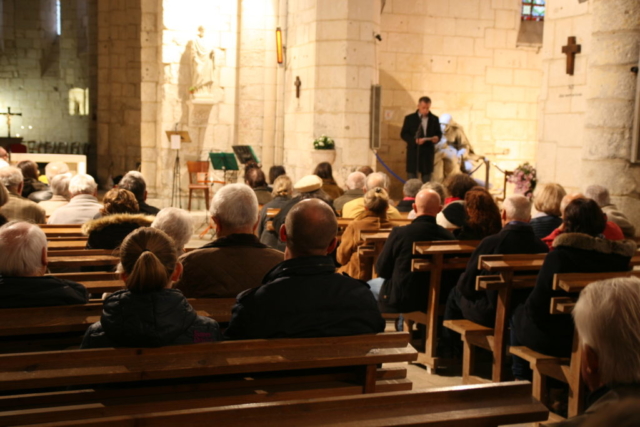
(279, 47)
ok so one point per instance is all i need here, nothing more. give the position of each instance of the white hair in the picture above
(607, 317)
(412, 187)
(60, 184)
(235, 206)
(55, 168)
(599, 194)
(177, 223)
(356, 180)
(11, 176)
(517, 208)
(377, 179)
(82, 184)
(21, 245)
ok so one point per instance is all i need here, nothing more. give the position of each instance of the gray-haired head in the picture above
(377, 179)
(11, 177)
(517, 208)
(412, 187)
(598, 193)
(356, 181)
(235, 206)
(60, 185)
(55, 168)
(82, 184)
(134, 182)
(23, 246)
(177, 223)
(4, 195)
(607, 317)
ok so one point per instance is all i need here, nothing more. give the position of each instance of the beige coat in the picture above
(20, 209)
(347, 253)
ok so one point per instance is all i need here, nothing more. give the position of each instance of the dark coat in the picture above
(514, 238)
(42, 291)
(405, 205)
(109, 231)
(153, 319)
(544, 225)
(533, 324)
(267, 237)
(305, 298)
(412, 130)
(148, 209)
(404, 291)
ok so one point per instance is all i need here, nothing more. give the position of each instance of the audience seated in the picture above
(116, 220)
(431, 185)
(398, 289)
(610, 347)
(60, 189)
(256, 180)
(374, 217)
(355, 183)
(304, 296)
(148, 313)
(23, 265)
(177, 224)
(355, 207)
(409, 190)
(30, 175)
(18, 208)
(577, 250)
(366, 170)
(482, 216)
(516, 237)
(4, 158)
(601, 195)
(274, 172)
(329, 185)
(547, 199)
(51, 170)
(236, 260)
(452, 215)
(83, 205)
(611, 230)
(4, 198)
(282, 193)
(134, 182)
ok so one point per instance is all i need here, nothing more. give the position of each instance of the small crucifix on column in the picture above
(9, 114)
(297, 84)
(571, 49)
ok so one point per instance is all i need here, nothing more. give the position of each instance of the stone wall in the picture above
(38, 68)
(463, 54)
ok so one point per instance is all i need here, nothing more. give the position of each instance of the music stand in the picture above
(175, 145)
(245, 154)
(223, 162)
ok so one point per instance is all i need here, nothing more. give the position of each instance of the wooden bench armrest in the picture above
(491, 282)
(421, 265)
(467, 327)
(575, 282)
(562, 305)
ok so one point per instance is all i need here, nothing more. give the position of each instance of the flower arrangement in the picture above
(324, 143)
(524, 178)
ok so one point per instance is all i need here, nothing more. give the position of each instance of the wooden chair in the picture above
(484, 405)
(196, 181)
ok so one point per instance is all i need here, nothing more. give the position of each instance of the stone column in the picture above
(611, 89)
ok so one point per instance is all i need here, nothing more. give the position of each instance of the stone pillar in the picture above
(611, 89)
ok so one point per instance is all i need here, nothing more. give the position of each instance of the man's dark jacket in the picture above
(412, 130)
(404, 291)
(305, 298)
(43, 291)
(514, 238)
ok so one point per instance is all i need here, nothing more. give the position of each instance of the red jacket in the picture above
(611, 231)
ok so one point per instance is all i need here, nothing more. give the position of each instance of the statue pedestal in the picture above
(6, 141)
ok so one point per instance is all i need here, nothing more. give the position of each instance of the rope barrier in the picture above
(387, 167)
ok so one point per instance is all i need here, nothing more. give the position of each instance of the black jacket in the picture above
(404, 291)
(305, 298)
(42, 291)
(109, 231)
(405, 205)
(533, 324)
(153, 319)
(270, 238)
(544, 225)
(148, 209)
(514, 238)
(412, 130)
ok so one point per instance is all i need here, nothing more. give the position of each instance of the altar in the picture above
(77, 162)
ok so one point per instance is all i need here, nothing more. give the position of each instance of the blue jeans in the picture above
(376, 287)
(519, 367)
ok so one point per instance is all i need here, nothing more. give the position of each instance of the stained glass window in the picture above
(533, 10)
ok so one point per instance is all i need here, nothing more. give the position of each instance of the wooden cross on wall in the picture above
(571, 49)
(9, 114)
(297, 84)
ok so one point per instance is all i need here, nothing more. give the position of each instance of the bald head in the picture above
(23, 247)
(427, 203)
(309, 229)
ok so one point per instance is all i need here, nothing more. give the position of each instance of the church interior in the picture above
(112, 86)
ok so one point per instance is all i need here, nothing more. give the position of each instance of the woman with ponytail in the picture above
(149, 313)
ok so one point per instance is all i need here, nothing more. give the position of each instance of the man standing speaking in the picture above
(421, 131)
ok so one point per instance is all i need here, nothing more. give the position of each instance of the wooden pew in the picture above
(438, 256)
(60, 245)
(55, 226)
(484, 405)
(81, 252)
(336, 365)
(67, 262)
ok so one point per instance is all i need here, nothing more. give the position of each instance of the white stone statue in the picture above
(453, 153)
(202, 64)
